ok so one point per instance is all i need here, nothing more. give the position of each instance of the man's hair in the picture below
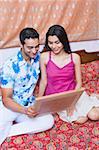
(28, 33)
(60, 32)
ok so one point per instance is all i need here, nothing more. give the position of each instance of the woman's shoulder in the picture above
(45, 53)
(45, 56)
(76, 57)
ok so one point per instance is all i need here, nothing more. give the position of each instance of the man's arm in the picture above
(12, 105)
(9, 102)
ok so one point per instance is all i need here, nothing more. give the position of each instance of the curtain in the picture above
(80, 18)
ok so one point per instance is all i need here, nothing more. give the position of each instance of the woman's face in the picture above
(55, 45)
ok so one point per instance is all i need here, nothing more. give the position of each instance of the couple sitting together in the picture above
(60, 71)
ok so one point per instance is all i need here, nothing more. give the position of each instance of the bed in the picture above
(66, 136)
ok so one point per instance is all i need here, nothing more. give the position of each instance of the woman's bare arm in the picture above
(77, 62)
(43, 80)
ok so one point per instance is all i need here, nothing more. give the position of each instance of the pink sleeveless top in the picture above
(60, 79)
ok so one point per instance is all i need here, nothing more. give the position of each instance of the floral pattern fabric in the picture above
(90, 77)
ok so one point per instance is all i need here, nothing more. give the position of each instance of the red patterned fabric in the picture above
(90, 77)
(64, 136)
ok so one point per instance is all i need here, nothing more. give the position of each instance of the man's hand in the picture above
(31, 111)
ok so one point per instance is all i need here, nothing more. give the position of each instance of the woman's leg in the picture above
(26, 125)
(89, 107)
(94, 113)
(81, 120)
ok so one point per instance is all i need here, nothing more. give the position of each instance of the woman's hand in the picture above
(70, 110)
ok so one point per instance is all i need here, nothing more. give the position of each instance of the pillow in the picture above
(90, 71)
(90, 76)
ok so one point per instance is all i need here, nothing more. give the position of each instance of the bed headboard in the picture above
(87, 56)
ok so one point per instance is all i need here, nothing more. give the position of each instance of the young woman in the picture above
(60, 71)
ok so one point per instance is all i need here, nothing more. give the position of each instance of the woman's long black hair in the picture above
(60, 32)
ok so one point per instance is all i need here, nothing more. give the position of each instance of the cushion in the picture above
(90, 71)
(90, 76)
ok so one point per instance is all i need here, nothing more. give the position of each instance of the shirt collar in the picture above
(22, 60)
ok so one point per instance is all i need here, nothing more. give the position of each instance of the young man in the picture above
(18, 81)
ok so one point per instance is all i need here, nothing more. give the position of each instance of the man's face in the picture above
(30, 48)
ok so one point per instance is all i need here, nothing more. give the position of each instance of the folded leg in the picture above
(6, 120)
(26, 125)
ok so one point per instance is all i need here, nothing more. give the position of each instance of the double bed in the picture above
(66, 136)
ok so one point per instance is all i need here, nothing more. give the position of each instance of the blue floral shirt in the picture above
(22, 77)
